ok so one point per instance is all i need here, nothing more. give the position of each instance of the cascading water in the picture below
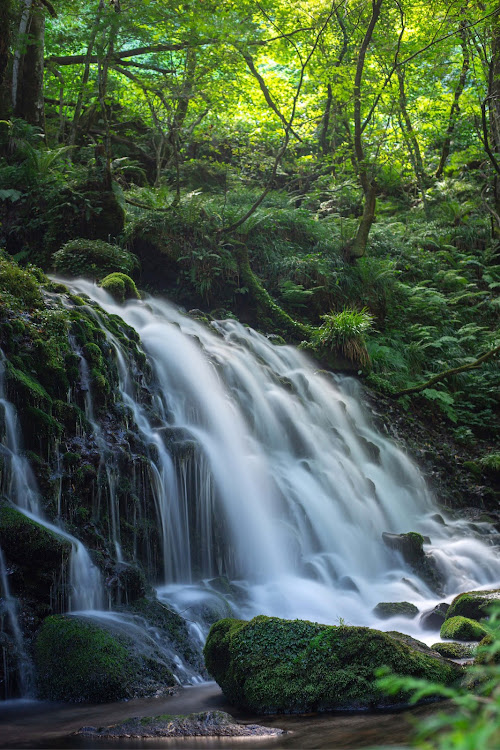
(286, 489)
(20, 488)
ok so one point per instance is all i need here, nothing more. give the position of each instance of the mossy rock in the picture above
(19, 284)
(269, 665)
(37, 554)
(473, 604)
(385, 610)
(454, 650)
(161, 617)
(411, 548)
(93, 259)
(79, 661)
(462, 629)
(120, 286)
(485, 654)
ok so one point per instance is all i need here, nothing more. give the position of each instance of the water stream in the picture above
(278, 501)
(289, 487)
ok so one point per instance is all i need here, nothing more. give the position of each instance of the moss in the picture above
(19, 284)
(80, 660)
(454, 650)
(41, 425)
(93, 259)
(30, 389)
(473, 604)
(270, 665)
(486, 651)
(384, 610)
(462, 629)
(120, 286)
(77, 661)
(39, 555)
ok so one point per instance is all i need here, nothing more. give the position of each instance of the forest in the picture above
(318, 184)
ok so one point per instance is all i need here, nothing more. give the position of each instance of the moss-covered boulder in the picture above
(487, 651)
(454, 650)
(120, 286)
(93, 259)
(38, 556)
(270, 665)
(79, 661)
(385, 610)
(473, 604)
(462, 629)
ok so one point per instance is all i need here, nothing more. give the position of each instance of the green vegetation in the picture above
(93, 259)
(473, 604)
(454, 650)
(79, 660)
(476, 721)
(462, 629)
(269, 665)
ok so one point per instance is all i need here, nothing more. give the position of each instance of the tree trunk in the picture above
(411, 138)
(455, 107)
(358, 248)
(494, 112)
(86, 74)
(5, 57)
(29, 103)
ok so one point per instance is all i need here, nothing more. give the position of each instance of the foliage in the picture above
(93, 259)
(345, 332)
(475, 722)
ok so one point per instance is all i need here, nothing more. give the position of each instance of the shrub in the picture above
(93, 259)
(345, 332)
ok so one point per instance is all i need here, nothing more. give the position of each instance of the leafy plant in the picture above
(476, 723)
(345, 332)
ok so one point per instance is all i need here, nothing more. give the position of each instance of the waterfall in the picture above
(18, 676)
(19, 487)
(279, 501)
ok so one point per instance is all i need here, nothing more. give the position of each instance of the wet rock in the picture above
(434, 618)
(462, 629)
(385, 610)
(411, 548)
(80, 661)
(455, 650)
(473, 604)
(203, 724)
(269, 665)
(347, 584)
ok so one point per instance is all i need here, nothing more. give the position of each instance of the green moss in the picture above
(462, 629)
(473, 604)
(42, 425)
(120, 286)
(454, 650)
(270, 665)
(31, 390)
(485, 653)
(38, 556)
(19, 284)
(78, 660)
(384, 610)
(93, 259)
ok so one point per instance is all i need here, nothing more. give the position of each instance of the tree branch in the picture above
(446, 373)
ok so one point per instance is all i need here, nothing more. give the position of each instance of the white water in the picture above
(19, 487)
(290, 487)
